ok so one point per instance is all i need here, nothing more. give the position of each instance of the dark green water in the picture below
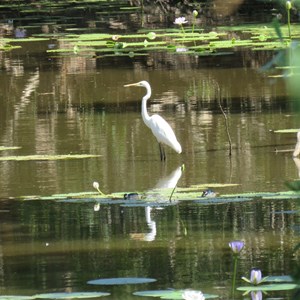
(54, 105)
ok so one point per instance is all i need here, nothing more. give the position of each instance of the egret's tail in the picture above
(177, 148)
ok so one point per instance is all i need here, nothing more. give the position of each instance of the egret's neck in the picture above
(145, 114)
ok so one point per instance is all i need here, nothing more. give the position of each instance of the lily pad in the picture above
(121, 281)
(283, 195)
(168, 294)
(280, 278)
(145, 204)
(269, 287)
(16, 297)
(78, 295)
(292, 130)
(221, 200)
(47, 157)
(3, 148)
(252, 195)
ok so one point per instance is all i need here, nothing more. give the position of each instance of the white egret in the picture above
(297, 147)
(159, 126)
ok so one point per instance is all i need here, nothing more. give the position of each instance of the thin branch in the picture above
(226, 121)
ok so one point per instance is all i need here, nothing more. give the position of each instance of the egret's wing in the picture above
(164, 133)
(297, 147)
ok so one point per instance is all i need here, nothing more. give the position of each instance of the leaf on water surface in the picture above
(287, 212)
(168, 294)
(279, 278)
(16, 297)
(221, 200)
(47, 157)
(31, 39)
(269, 287)
(207, 185)
(146, 204)
(3, 148)
(121, 281)
(251, 195)
(291, 130)
(283, 195)
(75, 295)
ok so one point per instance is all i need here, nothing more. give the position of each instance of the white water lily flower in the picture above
(97, 207)
(180, 21)
(96, 185)
(192, 295)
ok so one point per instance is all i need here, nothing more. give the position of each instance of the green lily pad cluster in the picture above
(191, 41)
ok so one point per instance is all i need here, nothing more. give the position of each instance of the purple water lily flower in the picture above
(256, 295)
(255, 276)
(236, 246)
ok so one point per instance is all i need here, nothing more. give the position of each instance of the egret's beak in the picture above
(131, 84)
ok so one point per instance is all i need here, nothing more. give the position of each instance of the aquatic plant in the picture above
(288, 10)
(96, 186)
(192, 295)
(255, 277)
(236, 247)
(256, 295)
(175, 294)
(180, 21)
(195, 14)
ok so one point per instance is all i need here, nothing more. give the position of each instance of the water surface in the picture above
(54, 105)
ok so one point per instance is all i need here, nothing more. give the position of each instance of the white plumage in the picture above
(158, 125)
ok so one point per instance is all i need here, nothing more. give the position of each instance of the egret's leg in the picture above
(162, 152)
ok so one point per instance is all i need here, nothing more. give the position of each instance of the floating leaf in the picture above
(16, 297)
(47, 157)
(168, 294)
(145, 204)
(269, 287)
(78, 295)
(221, 200)
(292, 130)
(279, 278)
(121, 281)
(3, 148)
(252, 194)
(151, 35)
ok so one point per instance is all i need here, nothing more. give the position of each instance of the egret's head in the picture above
(142, 83)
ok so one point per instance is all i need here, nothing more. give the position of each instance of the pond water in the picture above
(77, 105)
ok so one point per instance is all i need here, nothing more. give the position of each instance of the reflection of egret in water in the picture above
(297, 147)
(165, 182)
(297, 163)
(171, 180)
(151, 224)
(150, 236)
